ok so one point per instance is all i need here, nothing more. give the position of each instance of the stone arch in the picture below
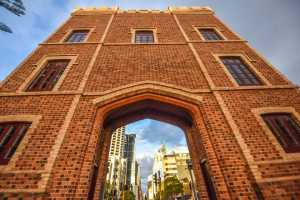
(149, 87)
(187, 116)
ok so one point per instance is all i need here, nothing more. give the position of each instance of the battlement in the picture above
(179, 10)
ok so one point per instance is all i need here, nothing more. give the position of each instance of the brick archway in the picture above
(160, 105)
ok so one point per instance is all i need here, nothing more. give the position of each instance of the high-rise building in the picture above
(117, 163)
(129, 154)
(150, 192)
(106, 67)
(169, 164)
(117, 143)
(123, 169)
(138, 187)
(175, 165)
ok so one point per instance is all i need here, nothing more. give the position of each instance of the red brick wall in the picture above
(83, 21)
(167, 30)
(118, 65)
(240, 104)
(53, 110)
(217, 72)
(69, 165)
(189, 21)
(122, 65)
(259, 144)
(283, 190)
(74, 76)
(228, 153)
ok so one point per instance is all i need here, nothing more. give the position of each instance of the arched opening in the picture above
(143, 157)
(149, 106)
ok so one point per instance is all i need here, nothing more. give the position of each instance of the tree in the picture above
(172, 187)
(107, 190)
(128, 195)
(14, 6)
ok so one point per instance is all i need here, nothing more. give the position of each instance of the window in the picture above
(286, 130)
(49, 75)
(240, 71)
(210, 34)
(11, 134)
(144, 37)
(77, 36)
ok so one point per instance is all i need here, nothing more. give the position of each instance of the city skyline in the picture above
(147, 144)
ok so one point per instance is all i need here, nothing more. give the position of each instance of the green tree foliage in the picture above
(172, 188)
(14, 6)
(128, 195)
(107, 190)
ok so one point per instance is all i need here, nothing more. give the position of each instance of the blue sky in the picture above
(150, 134)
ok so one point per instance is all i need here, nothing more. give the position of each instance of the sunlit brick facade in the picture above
(196, 73)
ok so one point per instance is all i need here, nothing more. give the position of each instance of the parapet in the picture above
(191, 10)
(176, 10)
(94, 10)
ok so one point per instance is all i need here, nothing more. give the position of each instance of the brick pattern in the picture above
(280, 169)
(217, 72)
(120, 74)
(19, 181)
(36, 152)
(283, 190)
(14, 196)
(120, 31)
(240, 105)
(193, 145)
(229, 156)
(74, 75)
(64, 180)
(196, 154)
(83, 21)
(188, 22)
(164, 63)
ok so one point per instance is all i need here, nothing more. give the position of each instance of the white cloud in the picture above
(150, 134)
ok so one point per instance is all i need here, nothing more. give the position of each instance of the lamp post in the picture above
(190, 167)
(115, 186)
(155, 183)
(159, 184)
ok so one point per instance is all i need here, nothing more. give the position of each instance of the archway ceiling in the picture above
(148, 109)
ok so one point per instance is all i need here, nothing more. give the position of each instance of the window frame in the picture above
(134, 30)
(70, 31)
(247, 61)
(34, 121)
(258, 112)
(279, 135)
(216, 29)
(40, 66)
(12, 138)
